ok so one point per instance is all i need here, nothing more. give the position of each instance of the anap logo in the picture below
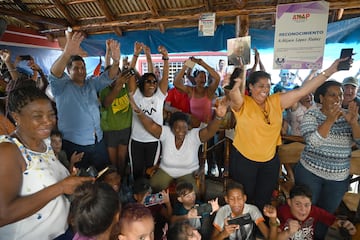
(300, 17)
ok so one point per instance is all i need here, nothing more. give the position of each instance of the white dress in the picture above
(42, 170)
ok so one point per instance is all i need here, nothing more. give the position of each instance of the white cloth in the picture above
(42, 170)
(183, 161)
(153, 108)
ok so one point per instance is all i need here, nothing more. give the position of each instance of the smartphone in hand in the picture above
(189, 63)
(153, 199)
(345, 52)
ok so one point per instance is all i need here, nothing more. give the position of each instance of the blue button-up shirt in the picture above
(78, 107)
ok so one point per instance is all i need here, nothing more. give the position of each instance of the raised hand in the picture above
(165, 195)
(221, 105)
(214, 205)
(5, 55)
(146, 49)
(138, 47)
(163, 51)
(270, 211)
(114, 50)
(351, 115)
(73, 43)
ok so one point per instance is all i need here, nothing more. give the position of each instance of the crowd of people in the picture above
(98, 158)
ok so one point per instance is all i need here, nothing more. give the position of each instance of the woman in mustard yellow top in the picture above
(254, 161)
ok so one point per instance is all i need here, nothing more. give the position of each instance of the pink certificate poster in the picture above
(300, 34)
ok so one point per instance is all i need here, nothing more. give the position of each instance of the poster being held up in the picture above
(300, 34)
(238, 51)
(207, 24)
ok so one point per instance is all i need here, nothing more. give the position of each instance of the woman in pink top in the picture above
(201, 95)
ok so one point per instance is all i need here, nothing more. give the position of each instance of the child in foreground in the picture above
(247, 215)
(186, 209)
(136, 222)
(299, 217)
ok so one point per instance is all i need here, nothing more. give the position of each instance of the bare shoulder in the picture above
(10, 157)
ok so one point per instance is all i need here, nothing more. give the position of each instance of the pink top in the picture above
(201, 107)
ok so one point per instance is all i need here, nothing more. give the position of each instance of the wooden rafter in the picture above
(109, 16)
(64, 11)
(155, 13)
(34, 18)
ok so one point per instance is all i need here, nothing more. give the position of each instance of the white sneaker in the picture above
(206, 167)
(215, 171)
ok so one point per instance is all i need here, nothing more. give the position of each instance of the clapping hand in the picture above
(351, 115)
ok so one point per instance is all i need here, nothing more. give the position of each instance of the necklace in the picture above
(265, 113)
(41, 148)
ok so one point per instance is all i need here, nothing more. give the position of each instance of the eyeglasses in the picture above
(148, 81)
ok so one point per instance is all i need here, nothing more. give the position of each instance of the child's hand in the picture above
(165, 195)
(214, 205)
(76, 157)
(348, 225)
(229, 228)
(270, 211)
(193, 213)
(294, 226)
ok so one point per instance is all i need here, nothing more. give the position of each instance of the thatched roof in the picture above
(104, 16)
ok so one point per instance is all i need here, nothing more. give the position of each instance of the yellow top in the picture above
(257, 133)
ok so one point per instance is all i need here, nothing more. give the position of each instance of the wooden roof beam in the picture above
(109, 16)
(155, 13)
(34, 18)
(64, 11)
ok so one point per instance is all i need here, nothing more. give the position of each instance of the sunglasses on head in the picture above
(149, 81)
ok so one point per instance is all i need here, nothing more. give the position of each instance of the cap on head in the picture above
(350, 81)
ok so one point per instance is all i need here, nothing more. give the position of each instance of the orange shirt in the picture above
(6, 127)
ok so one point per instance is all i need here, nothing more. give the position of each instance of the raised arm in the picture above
(289, 98)
(148, 58)
(107, 53)
(138, 47)
(215, 76)
(209, 131)
(152, 127)
(115, 55)
(72, 47)
(5, 56)
(43, 83)
(118, 85)
(164, 83)
(236, 94)
(179, 83)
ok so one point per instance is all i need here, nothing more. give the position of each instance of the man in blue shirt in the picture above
(77, 102)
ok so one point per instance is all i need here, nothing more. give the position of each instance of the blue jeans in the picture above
(326, 194)
(94, 154)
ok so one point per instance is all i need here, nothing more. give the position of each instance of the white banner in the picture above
(300, 35)
(207, 24)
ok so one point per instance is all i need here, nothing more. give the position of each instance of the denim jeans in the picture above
(326, 194)
(95, 154)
